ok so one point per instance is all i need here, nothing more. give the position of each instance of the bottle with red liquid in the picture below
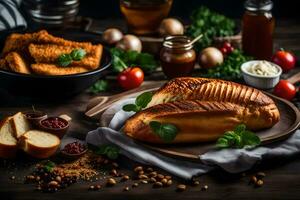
(258, 27)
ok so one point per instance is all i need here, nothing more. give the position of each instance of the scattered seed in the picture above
(160, 176)
(164, 181)
(115, 165)
(205, 187)
(143, 176)
(157, 184)
(153, 174)
(196, 183)
(126, 188)
(149, 169)
(260, 175)
(144, 181)
(125, 178)
(53, 184)
(111, 182)
(38, 188)
(138, 168)
(135, 185)
(58, 178)
(170, 182)
(141, 172)
(98, 187)
(181, 187)
(259, 183)
(91, 187)
(113, 172)
(152, 180)
(168, 177)
(12, 177)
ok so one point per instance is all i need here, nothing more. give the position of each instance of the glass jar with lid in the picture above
(177, 56)
(258, 27)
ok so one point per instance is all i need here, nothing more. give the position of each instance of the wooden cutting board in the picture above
(289, 122)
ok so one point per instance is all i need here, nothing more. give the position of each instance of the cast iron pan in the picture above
(53, 86)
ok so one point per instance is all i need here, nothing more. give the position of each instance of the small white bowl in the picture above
(260, 81)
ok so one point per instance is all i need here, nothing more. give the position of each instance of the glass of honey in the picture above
(144, 16)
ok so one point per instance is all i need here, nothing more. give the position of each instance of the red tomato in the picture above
(131, 77)
(285, 89)
(230, 50)
(227, 45)
(223, 50)
(284, 59)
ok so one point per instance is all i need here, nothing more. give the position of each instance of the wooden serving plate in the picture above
(289, 122)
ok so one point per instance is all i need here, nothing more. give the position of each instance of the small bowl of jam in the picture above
(35, 116)
(56, 125)
(74, 150)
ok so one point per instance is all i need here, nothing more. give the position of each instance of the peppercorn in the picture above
(181, 188)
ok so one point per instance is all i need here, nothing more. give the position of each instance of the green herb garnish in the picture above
(66, 59)
(48, 166)
(211, 25)
(167, 132)
(140, 102)
(230, 69)
(99, 86)
(238, 138)
(111, 151)
(123, 59)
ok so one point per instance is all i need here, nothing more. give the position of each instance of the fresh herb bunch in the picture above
(238, 138)
(66, 59)
(99, 86)
(109, 150)
(48, 166)
(230, 69)
(123, 59)
(140, 102)
(211, 25)
(167, 132)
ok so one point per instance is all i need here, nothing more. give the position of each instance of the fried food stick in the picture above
(50, 69)
(49, 53)
(3, 64)
(16, 63)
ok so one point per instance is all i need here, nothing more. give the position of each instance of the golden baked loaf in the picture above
(202, 110)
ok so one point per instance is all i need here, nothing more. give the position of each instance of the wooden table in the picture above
(282, 180)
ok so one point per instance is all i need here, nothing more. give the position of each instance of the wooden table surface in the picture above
(282, 180)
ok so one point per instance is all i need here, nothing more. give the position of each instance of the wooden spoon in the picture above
(98, 105)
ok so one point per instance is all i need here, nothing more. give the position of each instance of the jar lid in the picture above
(178, 42)
(258, 5)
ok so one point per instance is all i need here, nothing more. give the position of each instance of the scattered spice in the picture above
(111, 182)
(181, 188)
(205, 187)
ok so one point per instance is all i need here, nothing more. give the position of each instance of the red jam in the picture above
(54, 122)
(74, 148)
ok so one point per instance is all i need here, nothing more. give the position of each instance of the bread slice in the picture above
(20, 124)
(8, 143)
(39, 144)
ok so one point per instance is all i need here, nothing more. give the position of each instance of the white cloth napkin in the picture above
(231, 160)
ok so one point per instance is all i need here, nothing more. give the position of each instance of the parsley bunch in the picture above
(211, 25)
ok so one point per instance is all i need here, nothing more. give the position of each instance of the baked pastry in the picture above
(8, 143)
(39, 144)
(202, 110)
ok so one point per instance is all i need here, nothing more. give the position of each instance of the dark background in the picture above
(233, 8)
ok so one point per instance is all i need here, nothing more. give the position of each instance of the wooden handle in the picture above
(98, 105)
(294, 79)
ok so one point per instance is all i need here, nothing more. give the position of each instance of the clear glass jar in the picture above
(177, 56)
(144, 16)
(258, 27)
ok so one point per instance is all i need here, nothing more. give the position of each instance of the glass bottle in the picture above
(258, 27)
(144, 16)
(177, 56)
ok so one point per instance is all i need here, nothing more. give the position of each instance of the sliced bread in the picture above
(20, 124)
(8, 143)
(39, 144)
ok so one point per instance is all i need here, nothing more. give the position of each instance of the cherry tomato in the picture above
(284, 59)
(230, 50)
(285, 89)
(131, 77)
(223, 50)
(227, 45)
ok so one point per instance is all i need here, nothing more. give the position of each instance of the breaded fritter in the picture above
(49, 53)
(3, 64)
(50, 69)
(16, 63)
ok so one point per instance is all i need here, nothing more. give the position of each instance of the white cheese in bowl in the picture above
(263, 68)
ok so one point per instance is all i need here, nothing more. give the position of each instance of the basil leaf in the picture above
(167, 132)
(131, 107)
(222, 143)
(48, 166)
(143, 99)
(112, 154)
(64, 60)
(78, 54)
(111, 151)
(250, 140)
(99, 86)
